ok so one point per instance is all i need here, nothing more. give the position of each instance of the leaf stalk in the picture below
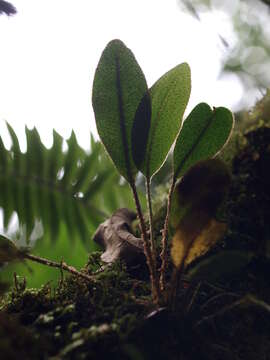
(150, 211)
(147, 249)
(164, 241)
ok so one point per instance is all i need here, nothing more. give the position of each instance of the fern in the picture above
(55, 186)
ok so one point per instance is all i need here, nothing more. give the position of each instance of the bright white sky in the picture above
(50, 49)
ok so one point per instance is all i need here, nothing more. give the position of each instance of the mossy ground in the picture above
(109, 317)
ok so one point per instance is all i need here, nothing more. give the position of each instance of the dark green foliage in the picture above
(249, 199)
(118, 88)
(56, 186)
(204, 133)
(169, 97)
(217, 266)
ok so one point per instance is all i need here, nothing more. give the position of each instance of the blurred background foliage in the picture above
(52, 200)
(246, 52)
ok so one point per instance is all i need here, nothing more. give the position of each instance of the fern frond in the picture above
(57, 187)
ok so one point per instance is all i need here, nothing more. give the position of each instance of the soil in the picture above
(113, 316)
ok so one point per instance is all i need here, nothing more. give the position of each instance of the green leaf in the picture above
(56, 155)
(219, 265)
(57, 187)
(4, 155)
(151, 141)
(5, 198)
(34, 158)
(80, 219)
(30, 198)
(72, 157)
(87, 170)
(97, 184)
(15, 149)
(119, 85)
(204, 133)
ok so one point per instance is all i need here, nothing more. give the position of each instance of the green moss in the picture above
(80, 314)
(248, 205)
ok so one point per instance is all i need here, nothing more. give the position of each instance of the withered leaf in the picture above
(115, 236)
(8, 251)
(188, 246)
(195, 202)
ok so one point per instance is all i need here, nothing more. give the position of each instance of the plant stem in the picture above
(164, 241)
(147, 249)
(61, 265)
(149, 203)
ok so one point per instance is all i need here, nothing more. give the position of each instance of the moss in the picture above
(79, 314)
(249, 199)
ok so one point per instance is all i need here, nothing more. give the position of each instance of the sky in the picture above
(50, 50)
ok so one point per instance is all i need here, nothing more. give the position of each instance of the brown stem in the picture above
(153, 245)
(164, 241)
(60, 265)
(147, 250)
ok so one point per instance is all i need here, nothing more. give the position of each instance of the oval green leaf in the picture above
(204, 133)
(152, 141)
(119, 85)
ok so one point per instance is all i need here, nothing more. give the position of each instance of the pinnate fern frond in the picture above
(71, 187)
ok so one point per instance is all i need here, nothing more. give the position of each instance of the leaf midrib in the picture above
(204, 129)
(122, 119)
(52, 186)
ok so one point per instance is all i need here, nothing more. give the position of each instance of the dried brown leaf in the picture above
(186, 248)
(115, 236)
(196, 200)
(8, 251)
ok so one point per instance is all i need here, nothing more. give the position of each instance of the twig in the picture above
(164, 241)
(147, 250)
(62, 266)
